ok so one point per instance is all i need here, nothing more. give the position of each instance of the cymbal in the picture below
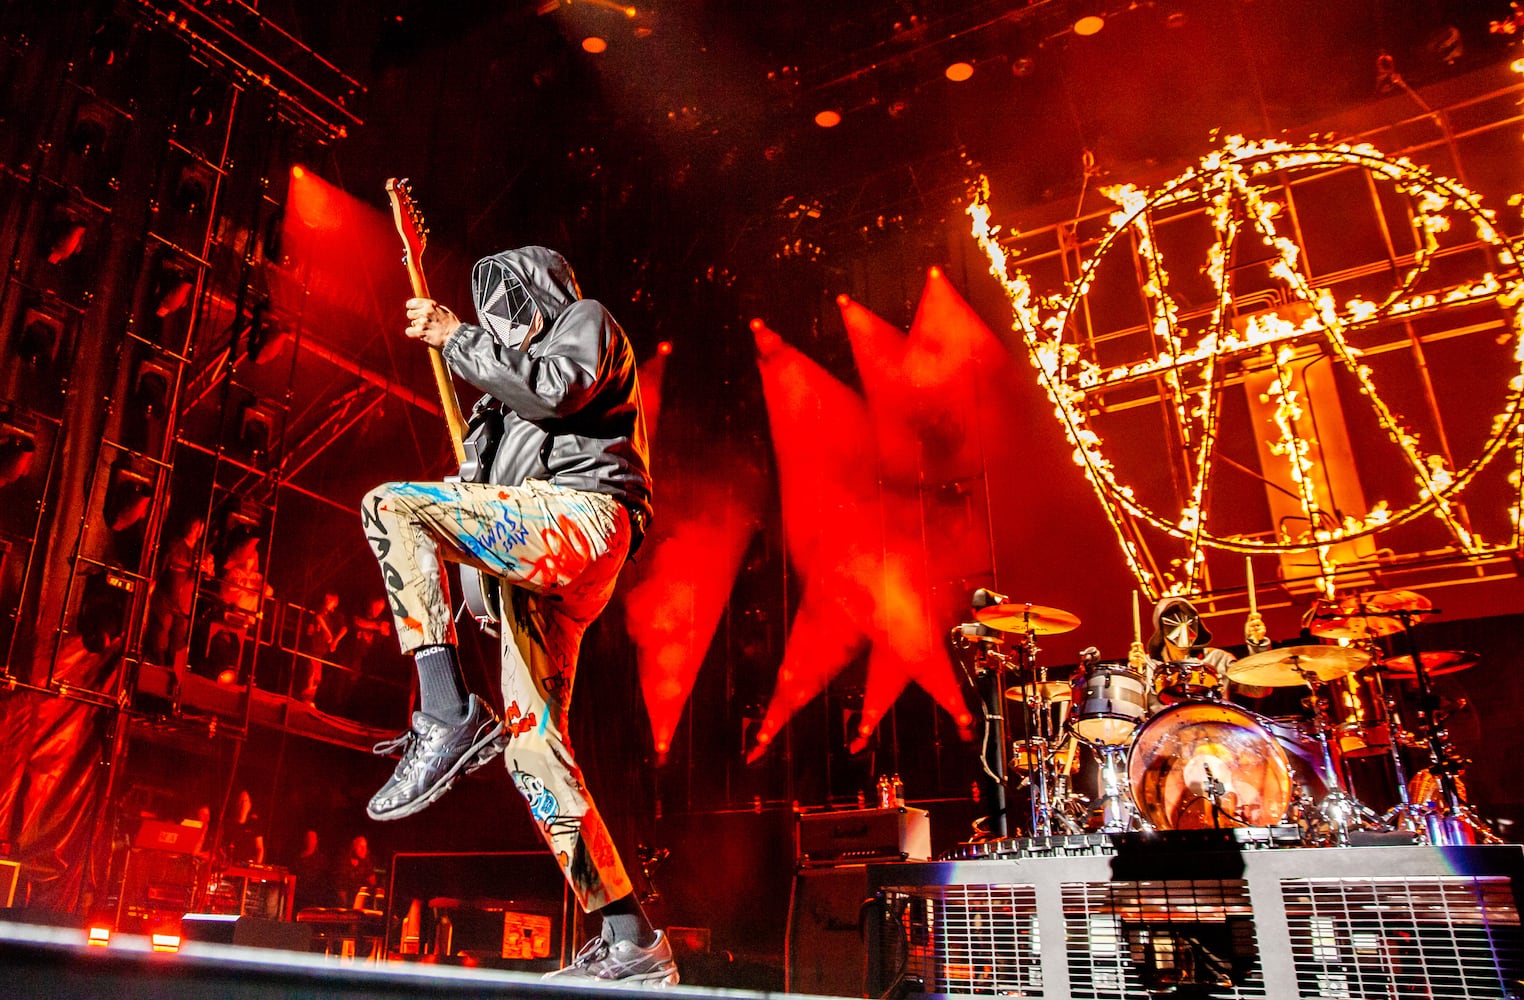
(1033, 619)
(1364, 616)
(1351, 626)
(1435, 662)
(1046, 690)
(1289, 666)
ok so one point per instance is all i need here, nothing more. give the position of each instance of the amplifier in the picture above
(898, 833)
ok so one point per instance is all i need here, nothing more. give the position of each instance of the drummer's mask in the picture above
(1179, 629)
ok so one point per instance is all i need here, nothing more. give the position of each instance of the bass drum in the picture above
(1194, 750)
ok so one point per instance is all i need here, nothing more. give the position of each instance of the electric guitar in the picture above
(473, 446)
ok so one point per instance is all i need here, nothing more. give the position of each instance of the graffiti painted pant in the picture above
(558, 552)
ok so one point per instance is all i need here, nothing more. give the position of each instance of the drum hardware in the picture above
(1029, 621)
(1315, 666)
(1189, 678)
(1449, 819)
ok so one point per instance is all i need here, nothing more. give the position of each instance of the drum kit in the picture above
(1175, 753)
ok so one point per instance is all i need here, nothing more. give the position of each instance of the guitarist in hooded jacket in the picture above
(563, 499)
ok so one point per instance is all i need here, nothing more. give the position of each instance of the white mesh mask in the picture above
(507, 309)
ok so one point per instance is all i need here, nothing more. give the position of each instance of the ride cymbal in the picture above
(1028, 619)
(1293, 665)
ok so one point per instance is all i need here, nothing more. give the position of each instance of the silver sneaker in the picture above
(623, 962)
(434, 754)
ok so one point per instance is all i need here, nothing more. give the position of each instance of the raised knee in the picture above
(379, 495)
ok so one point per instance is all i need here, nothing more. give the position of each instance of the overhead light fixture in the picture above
(1089, 24)
(828, 118)
(959, 71)
(594, 45)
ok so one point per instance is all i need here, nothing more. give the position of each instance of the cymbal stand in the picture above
(1341, 809)
(1042, 744)
(1455, 822)
(1403, 815)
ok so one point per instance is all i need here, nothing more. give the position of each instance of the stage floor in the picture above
(54, 963)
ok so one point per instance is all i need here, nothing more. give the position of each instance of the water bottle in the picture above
(897, 791)
(885, 792)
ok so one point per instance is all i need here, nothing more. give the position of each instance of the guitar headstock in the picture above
(409, 220)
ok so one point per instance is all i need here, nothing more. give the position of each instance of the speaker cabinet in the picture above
(246, 932)
(825, 949)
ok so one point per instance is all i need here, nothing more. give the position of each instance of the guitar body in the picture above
(482, 591)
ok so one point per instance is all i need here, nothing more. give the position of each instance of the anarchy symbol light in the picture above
(1188, 352)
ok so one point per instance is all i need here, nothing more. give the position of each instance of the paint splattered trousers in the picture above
(558, 552)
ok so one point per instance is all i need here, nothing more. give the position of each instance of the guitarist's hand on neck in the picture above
(430, 322)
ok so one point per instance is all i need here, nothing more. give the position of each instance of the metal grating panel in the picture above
(1123, 938)
(1436, 937)
(968, 940)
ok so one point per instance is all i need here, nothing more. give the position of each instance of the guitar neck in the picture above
(455, 420)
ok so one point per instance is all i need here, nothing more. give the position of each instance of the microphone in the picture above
(984, 598)
(979, 631)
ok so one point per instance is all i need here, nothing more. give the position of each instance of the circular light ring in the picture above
(1090, 24)
(959, 71)
(1055, 364)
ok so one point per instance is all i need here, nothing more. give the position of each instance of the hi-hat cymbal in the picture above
(1046, 690)
(1033, 619)
(1435, 662)
(1293, 665)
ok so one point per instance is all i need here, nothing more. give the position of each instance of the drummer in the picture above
(1182, 662)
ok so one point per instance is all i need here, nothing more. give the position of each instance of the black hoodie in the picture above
(569, 397)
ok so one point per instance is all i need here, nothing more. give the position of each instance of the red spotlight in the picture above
(828, 118)
(297, 173)
(959, 71)
(843, 300)
(664, 348)
(227, 677)
(935, 272)
(593, 45)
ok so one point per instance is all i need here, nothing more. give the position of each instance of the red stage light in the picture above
(664, 348)
(594, 45)
(297, 173)
(99, 936)
(828, 118)
(959, 71)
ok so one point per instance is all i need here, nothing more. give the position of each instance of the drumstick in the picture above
(1137, 622)
(1249, 569)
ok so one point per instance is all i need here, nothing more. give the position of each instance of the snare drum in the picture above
(1108, 701)
(1183, 679)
